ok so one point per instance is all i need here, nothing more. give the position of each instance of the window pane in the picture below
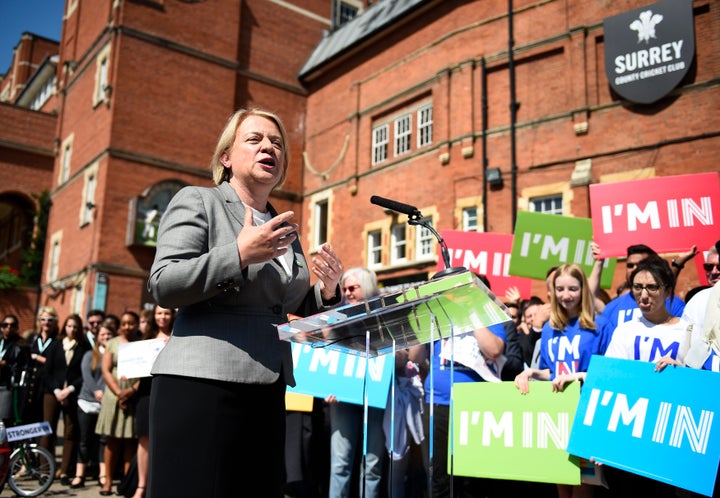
(470, 219)
(374, 248)
(380, 144)
(321, 222)
(425, 239)
(398, 244)
(425, 126)
(403, 133)
(549, 204)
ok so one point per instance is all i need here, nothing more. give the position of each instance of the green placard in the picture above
(542, 241)
(502, 434)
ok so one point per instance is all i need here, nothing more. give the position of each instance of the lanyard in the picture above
(42, 346)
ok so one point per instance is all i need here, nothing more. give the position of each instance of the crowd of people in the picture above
(228, 268)
(70, 371)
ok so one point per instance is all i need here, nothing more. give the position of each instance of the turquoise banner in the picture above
(661, 425)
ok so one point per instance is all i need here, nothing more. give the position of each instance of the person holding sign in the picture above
(489, 342)
(567, 342)
(234, 268)
(116, 419)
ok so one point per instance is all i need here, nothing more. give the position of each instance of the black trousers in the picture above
(216, 439)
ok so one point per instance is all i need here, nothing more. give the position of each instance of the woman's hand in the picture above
(257, 244)
(329, 269)
(665, 361)
(561, 381)
(331, 398)
(522, 381)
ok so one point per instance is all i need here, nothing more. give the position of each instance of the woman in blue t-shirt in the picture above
(568, 340)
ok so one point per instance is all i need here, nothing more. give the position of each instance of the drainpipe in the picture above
(513, 115)
(484, 115)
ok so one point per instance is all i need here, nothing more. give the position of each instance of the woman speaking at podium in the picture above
(234, 268)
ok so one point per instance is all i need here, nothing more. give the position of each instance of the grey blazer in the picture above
(225, 327)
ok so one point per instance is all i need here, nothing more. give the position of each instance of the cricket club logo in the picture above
(645, 25)
(644, 59)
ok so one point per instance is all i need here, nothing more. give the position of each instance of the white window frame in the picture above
(470, 219)
(398, 243)
(374, 248)
(547, 204)
(53, 267)
(424, 241)
(381, 138)
(403, 134)
(65, 160)
(101, 76)
(425, 126)
(88, 203)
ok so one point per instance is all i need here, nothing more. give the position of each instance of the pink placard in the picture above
(487, 254)
(669, 214)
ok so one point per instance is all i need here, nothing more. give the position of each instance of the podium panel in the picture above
(448, 306)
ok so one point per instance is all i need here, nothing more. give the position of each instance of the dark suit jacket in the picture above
(57, 371)
(226, 323)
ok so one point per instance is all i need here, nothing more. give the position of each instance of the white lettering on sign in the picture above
(680, 213)
(581, 252)
(667, 52)
(676, 427)
(538, 429)
(337, 363)
(483, 262)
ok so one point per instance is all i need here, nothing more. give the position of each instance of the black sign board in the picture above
(649, 50)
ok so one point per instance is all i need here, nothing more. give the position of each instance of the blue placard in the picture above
(661, 425)
(323, 371)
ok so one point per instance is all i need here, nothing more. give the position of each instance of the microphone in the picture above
(394, 206)
(415, 218)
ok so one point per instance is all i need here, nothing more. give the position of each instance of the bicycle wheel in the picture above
(32, 470)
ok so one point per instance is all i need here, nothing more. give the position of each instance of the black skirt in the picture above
(216, 439)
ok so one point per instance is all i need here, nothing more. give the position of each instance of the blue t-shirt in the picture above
(441, 370)
(624, 309)
(569, 351)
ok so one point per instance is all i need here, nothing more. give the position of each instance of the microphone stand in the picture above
(416, 219)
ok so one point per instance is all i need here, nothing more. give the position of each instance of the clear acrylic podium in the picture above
(441, 308)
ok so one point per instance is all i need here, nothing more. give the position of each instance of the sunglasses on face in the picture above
(48, 319)
(8, 324)
(630, 266)
(350, 288)
(709, 266)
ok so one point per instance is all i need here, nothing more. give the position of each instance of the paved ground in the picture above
(90, 490)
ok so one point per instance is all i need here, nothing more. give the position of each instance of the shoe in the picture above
(77, 482)
(104, 492)
(64, 480)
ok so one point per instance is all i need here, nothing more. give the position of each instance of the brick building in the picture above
(409, 100)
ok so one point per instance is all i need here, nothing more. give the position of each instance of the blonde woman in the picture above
(46, 330)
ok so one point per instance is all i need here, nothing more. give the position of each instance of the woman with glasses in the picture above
(656, 336)
(46, 332)
(13, 359)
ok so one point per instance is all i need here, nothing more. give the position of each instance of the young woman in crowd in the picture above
(89, 404)
(568, 341)
(117, 412)
(63, 379)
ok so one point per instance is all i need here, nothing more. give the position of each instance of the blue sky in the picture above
(41, 17)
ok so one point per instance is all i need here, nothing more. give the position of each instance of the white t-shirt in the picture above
(642, 340)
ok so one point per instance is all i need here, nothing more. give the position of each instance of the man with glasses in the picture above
(93, 320)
